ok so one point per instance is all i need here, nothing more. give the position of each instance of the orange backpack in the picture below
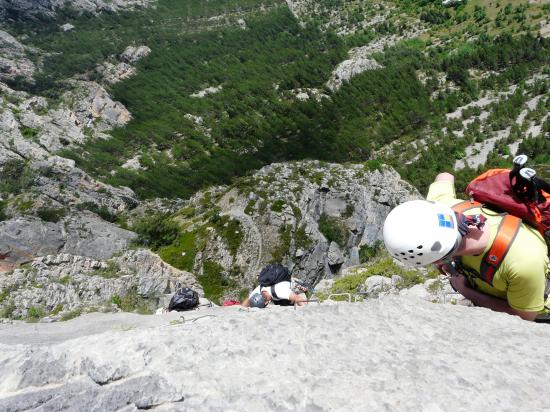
(521, 196)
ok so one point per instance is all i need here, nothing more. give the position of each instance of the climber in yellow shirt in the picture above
(422, 232)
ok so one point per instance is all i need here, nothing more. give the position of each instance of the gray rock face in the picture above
(56, 129)
(13, 61)
(93, 106)
(36, 8)
(24, 238)
(87, 235)
(324, 286)
(376, 284)
(155, 276)
(350, 68)
(114, 73)
(334, 256)
(142, 362)
(69, 283)
(133, 54)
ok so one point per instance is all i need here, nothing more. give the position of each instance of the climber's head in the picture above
(420, 232)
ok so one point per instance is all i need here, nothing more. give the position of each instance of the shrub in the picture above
(110, 272)
(435, 287)
(23, 204)
(132, 302)
(156, 230)
(383, 266)
(16, 176)
(367, 252)
(29, 132)
(102, 211)
(50, 214)
(249, 209)
(373, 164)
(3, 215)
(181, 253)
(230, 230)
(58, 308)
(35, 313)
(278, 254)
(349, 210)
(333, 229)
(301, 238)
(7, 310)
(278, 205)
(5, 293)
(71, 315)
(213, 282)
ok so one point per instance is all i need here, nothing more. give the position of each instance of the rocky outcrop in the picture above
(360, 59)
(13, 60)
(357, 64)
(37, 8)
(207, 91)
(58, 285)
(334, 255)
(400, 354)
(31, 129)
(313, 217)
(118, 69)
(93, 107)
(133, 54)
(305, 94)
(32, 133)
(114, 73)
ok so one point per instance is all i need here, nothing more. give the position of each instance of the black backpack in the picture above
(273, 274)
(184, 299)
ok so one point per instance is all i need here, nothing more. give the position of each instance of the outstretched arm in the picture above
(445, 177)
(460, 283)
(299, 300)
(246, 303)
(442, 189)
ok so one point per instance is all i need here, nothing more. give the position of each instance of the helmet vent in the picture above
(411, 251)
(419, 247)
(420, 254)
(436, 247)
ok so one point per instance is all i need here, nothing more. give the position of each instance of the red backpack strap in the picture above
(466, 205)
(507, 231)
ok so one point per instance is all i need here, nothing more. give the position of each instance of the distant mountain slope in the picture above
(39, 9)
(233, 85)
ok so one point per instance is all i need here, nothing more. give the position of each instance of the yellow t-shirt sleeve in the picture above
(443, 192)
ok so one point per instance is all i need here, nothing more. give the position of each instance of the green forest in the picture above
(251, 121)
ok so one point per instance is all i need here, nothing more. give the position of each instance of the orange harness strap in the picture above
(507, 231)
(466, 205)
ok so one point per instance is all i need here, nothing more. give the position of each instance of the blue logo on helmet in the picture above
(445, 221)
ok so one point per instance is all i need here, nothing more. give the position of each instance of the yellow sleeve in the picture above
(443, 191)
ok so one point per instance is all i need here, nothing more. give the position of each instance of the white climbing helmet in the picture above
(420, 232)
